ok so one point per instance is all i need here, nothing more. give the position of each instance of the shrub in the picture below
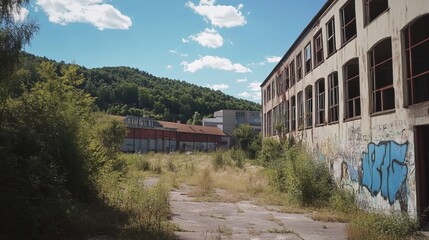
(218, 161)
(238, 156)
(271, 152)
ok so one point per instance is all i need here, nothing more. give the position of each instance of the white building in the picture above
(354, 86)
(229, 120)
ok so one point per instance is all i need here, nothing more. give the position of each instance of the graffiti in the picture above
(384, 169)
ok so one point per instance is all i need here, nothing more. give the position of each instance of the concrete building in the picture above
(229, 120)
(146, 134)
(354, 87)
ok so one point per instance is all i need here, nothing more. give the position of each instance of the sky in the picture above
(227, 45)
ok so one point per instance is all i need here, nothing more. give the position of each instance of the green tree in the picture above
(248, 139)
(197, 119)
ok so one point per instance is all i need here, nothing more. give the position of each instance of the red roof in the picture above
(192, 128)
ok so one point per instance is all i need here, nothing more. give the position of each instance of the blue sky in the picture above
(228, 45)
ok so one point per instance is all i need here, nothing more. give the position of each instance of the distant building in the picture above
(229, 120)
(354, 86)
(146, 134)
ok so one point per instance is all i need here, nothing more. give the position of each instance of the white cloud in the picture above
(96, 12)
(208, 38)
(255, 86)
(185, 40)
(241, 80)
(244, 95)
(219, 15)
(173, 51)
(184, 55)
(19, 14)
(219, 86)
(169, 67)
(214, 62)
(273, 59)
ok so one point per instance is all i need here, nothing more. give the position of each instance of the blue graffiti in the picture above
(384, 169)
(353, 172)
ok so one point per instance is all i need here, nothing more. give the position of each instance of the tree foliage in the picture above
(248, 139)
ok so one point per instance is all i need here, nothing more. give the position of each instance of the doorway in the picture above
(422, 170)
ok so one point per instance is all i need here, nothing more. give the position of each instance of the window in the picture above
(374, 8)
(240, 118)
(286, 106)
(318, 49)
(333, 97)
(292, 73)
(348, 21)
(352, 91)
(299, 67)
(265, 96)
(293, 114)
(330, 36)
(287, 82)
(265, 125)
(300, 111)
(273, 89)
(307, 58)
(269, 123)
(320, 101)
(417, 51)
(275, 120)
(269, 93)
(309, 106)
(381, 76)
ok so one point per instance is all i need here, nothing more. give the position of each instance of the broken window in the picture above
(417, 52)
(307, 58)
(348, 21)
(333, 97)
(286, 106)
(309, 106)
(381, 76)
(292, 73)
(374, 8)
(330, 36)
(299, 67)
(352, 89)
(300, 111)
(293, 114)
(318, 49)
(320, 101)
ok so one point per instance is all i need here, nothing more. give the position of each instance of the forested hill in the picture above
(124, 90)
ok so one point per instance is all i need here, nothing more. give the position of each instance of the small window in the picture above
(309, 106)
(300, 111)
(265, 125)
(287, 121)
(330, 36)
(318, 49)
(299, 67)
(269, 92)
(265, 96)
(278, 84)
(307, 58)
(417, 52)
(333, 97)
(352, 88)
(381, 76)
(270, 123)
(293, 114)
(292, 73)
(320, 101)
(374, 8)
(348, 21)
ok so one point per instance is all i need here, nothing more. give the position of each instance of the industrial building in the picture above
(146, 134)
(354, 86)
(228, 120)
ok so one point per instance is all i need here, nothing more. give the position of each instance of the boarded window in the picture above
(348, 21)
(352, 88)
(381, 76)
(417, 52)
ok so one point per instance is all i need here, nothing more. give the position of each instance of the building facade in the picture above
(229, 120)
(146, 135)
(354, 87)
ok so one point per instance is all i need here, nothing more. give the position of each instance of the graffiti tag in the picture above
(384, 169)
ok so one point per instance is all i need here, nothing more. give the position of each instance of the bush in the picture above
(382, 226)
(238, 156)
(271, 152)
(218, 161)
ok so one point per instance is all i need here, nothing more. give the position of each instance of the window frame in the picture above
(367, 12)
(333, 98)
(344, 25)
(320, 102)
(287, 120)
(373, 68)
(318, 49)
(330, 38)
(292, 72)
(307, 62)
(356, 101)
(299, 69)
(293, 113)
(308, 113)
(301, 110)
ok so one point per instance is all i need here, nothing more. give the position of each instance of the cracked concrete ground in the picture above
(244, 220)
